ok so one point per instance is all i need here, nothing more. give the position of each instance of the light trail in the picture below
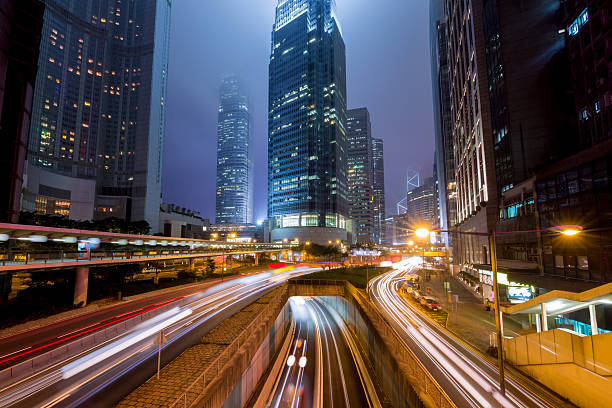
(77, 378)
(464, 375)
(324, 339)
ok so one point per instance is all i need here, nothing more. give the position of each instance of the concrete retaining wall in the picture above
(261, 360)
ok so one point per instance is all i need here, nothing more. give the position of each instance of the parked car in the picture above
(430, 303)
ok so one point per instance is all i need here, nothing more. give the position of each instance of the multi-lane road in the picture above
(103, 373)
(466, 377)
(320, 364)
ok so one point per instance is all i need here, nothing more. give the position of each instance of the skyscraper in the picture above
(20, 25)
(307, 181)
(421, 205)
(234, 155)
(98, 117)
(379, 190)
(360, 174)
(444, 157)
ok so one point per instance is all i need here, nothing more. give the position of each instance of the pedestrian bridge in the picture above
(117, 248)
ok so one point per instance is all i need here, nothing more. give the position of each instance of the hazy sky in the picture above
(387, 47)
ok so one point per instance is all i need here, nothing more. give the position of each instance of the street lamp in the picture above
(421, 233)
(567, 230)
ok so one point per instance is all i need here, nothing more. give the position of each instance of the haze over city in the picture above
(387, 72)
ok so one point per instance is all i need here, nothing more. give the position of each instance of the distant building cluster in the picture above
(84, 114)
(523, 96)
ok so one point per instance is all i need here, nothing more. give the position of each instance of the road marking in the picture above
(15, 352)
(78, 330)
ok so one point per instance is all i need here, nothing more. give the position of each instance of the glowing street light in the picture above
(568, 230)
(421, 233)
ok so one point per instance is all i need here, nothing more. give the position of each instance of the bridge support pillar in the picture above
(191, 264)
(256, 259)
(6, 285)
(81, 282)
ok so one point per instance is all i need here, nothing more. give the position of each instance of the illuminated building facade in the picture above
(360, 174)
(421, 206)
(307, 163)
(98, 117)
(444, 155)
(379, 190)
(234, 198)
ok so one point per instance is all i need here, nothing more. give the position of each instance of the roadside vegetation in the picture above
(356, 275)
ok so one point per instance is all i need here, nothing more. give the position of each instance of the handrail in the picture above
(236, 344)
(18, 258)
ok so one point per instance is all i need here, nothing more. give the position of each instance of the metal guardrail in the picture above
(198, 386)
(430, 385)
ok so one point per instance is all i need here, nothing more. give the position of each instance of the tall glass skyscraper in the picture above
(234, 155)
(379, 190)
(98, 116)
(307, 176)
(360, 174)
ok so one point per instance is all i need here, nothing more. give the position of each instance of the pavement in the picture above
(468, 319)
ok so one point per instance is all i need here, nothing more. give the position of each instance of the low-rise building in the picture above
(181, 222)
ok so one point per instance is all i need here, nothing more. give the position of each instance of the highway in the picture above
(467, 378)
(101, 375)
(319, 365)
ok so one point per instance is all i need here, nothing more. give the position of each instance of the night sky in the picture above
(388, 70)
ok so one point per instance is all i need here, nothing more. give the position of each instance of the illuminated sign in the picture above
(577, 24)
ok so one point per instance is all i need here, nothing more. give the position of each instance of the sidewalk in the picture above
(469, 320)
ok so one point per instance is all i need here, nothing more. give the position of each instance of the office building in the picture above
(444, 156)
(307, 164)
(360, 174)
(98, 116)
(379, 190)
(421, 206)
(234, 198)
(507, 120)
(578, 189)
(20, 28)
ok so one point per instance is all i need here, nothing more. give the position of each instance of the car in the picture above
(430, 303)
(416, 295)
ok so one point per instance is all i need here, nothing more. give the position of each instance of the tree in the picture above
(210, 266)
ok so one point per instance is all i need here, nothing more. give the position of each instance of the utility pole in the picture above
(498, 313)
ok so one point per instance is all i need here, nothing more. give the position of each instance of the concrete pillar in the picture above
(256, 259)
(6, 285)
(191, 264)
(81, 282)
(538, 323)
(594, 329)
(544, 317)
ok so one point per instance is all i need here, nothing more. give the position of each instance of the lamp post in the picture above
(567, 230)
